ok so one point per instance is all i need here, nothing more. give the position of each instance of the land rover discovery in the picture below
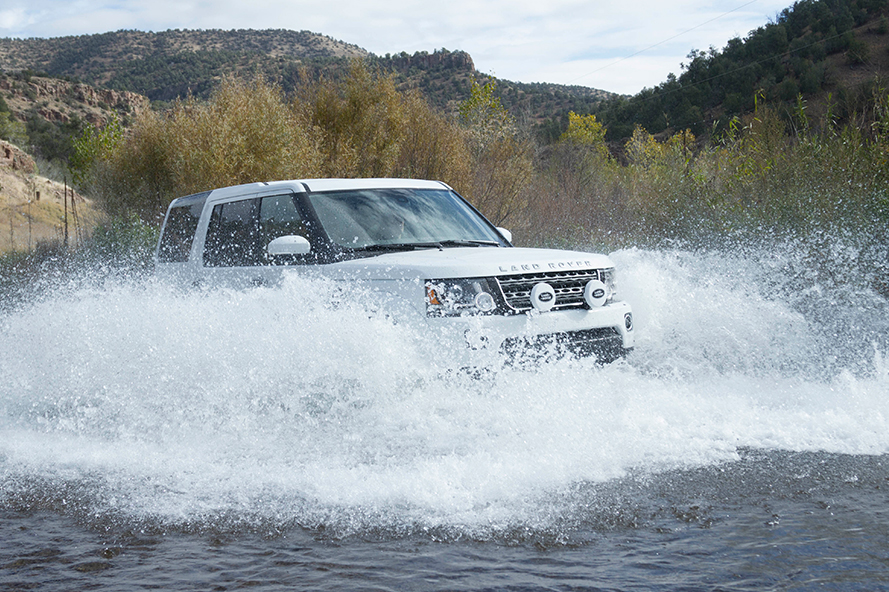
(430, 255)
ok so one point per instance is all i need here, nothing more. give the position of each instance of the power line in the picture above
(664, 41)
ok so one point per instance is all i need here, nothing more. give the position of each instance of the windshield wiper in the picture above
(468, 243)
(428, 245)
(398, 247)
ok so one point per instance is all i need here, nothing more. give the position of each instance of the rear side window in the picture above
(179, 229)
(233, 235)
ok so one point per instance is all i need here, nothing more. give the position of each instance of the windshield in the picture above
(366, 218)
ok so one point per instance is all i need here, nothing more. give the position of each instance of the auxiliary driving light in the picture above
(484, 302)
(543, 297)
(595, 293)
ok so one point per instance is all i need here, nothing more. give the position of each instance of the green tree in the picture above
(11, 130)
(484, 116)
(586, 131)
(94, 144)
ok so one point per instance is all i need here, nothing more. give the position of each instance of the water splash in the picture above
(138, 401)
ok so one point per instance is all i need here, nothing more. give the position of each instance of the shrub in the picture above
(248, 131)
(122, 243)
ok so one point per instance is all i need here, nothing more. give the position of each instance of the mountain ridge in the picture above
(172, 64)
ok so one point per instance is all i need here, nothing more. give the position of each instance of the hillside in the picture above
(445, 78)
(172, 64)
(91, 57)
(41, 114)
(826, 52)
(33, 208)
(63, 101)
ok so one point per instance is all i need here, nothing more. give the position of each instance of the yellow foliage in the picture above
(585, 130)
(248, 131)
(433, 147)
(642, 149)
(358, 125)
(681, 143)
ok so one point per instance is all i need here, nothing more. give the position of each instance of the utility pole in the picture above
(11, 216)
(66, 212)
(75, 220)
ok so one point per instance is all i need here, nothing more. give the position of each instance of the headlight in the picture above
(448, 298)
(607, 277)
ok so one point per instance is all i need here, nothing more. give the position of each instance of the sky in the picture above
(619, 47)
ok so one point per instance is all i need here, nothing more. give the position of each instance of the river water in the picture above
(157, 438)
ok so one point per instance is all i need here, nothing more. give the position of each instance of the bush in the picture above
(858, 52)
(122, 243)
(11, 130)
(248, 131)
(364, 127)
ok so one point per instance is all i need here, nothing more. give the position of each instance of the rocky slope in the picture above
(59, 101)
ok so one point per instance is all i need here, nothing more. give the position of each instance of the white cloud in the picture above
(563, 41)
(12, 18)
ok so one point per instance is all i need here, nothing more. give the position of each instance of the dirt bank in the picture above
(33, 208)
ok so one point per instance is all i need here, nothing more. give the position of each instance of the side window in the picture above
(278, 216)
(233, 235)
(179, 230)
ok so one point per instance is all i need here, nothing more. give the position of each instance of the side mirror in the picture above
(505, 234)
(289, 245)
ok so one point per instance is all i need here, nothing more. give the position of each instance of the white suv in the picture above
(432, 256)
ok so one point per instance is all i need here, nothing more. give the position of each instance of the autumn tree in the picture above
(502, 157)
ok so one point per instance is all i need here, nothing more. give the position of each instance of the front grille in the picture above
(606, 344)
(568, 285)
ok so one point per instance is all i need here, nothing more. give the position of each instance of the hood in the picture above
(465, 262)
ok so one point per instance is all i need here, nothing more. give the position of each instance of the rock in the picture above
(14, 158)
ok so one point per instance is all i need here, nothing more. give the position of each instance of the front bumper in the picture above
(605, 332)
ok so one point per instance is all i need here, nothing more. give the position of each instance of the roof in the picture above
(303, 185)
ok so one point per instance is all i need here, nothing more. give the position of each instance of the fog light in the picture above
(628, 321)
(485, 302)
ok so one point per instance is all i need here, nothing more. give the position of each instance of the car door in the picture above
(239, 231)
